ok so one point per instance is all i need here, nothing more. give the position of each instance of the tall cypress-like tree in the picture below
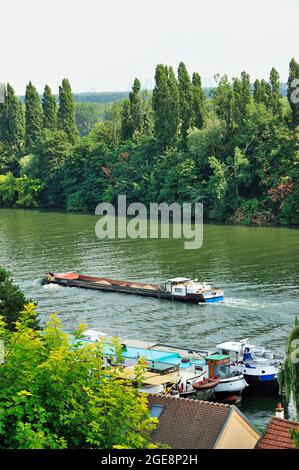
(173, 107)
(66, 116)
(13, 125)
(275, 99)
(136, 107)
(160, 105)
(126, 123)
(242, 98)
(186, 102)
(2, 111)
(49, 110)
(293, 91)
(33, 116)
(198, 98)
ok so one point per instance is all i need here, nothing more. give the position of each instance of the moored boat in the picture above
(181, 289)
(260, 367)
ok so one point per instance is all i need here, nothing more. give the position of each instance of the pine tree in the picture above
(293, 91)
(198, 98)
(49, 110)
(33, 116)
(13, 126)
(185, 100)
(66, 116)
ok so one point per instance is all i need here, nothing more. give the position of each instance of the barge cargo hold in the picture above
(182, 289)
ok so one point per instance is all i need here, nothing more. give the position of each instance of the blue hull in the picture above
(214, 299)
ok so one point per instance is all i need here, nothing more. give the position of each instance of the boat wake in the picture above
(51, 286)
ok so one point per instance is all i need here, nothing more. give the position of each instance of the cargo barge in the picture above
(181, 289)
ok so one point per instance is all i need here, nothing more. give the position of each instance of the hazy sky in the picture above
(102, 45)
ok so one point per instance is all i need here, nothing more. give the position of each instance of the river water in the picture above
(256, 267)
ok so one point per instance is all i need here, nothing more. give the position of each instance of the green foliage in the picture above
(56, 394)
(237, 153)
(13, 119)
(33, 116)
(185, 101)
(49, 110)
(166, 106)
(66, 117)
(291, 366)
(293, 91)
(198, 99)
(13, 303)
(7, 189)
(86, 118)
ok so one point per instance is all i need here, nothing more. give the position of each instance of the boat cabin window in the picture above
(225, 352)
(156, 411)
(178, 289)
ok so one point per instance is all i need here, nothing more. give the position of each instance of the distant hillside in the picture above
(103, 97)
(112, 96)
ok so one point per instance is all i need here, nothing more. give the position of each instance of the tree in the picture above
(185, 101)
(49, 110)
(33, 116)
(166, 106)
(57, 393)
(136, 107)
(223, 102)
(293, 91)
(275, 98)
(126, 122)
(66, 117)
(291, 366)
(13, 127)
(198, 98)
(86, 118)
(241, 99)
(7, 189)
(12, 302)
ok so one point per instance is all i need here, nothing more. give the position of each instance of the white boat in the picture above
(259, 366)
(192, 290)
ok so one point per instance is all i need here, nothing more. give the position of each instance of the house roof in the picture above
(188, 424)
(277, 435)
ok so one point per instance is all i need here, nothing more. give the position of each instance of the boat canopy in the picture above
(234, 346)
(179, 279)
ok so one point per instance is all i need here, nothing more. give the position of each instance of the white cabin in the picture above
(184, 286)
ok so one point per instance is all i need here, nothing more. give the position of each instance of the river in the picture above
(256, 267)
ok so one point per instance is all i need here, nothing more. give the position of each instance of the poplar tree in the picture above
(242, 98)
(293, 91)
(275, 100)
(49, 110)
(136, 107)
(198, 98)
(66, 116)
(185, 101)
(13, 117)
(173, 108)
(126, 123)
(160, 105)
(33, 116)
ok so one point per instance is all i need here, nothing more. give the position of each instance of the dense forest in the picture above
(237, 150)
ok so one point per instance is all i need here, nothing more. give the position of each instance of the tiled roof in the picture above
(188, 424)
(277, 435)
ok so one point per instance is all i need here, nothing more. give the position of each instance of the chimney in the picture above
(279, 412)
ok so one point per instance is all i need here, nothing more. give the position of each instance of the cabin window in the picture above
(178, 289)
(156, 411)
